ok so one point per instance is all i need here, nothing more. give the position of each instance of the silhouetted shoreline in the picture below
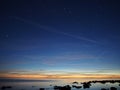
(75, 84)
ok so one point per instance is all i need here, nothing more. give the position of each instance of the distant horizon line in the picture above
(52, 80)
(56, 79)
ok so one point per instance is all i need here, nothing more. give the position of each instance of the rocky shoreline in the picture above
(76, 85)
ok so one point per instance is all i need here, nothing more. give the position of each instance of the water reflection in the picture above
(60, 85)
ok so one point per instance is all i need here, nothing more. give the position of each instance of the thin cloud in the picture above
(55, 30)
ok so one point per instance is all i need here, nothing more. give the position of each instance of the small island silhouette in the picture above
(76, 85)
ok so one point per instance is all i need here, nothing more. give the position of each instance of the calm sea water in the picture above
(49, 84)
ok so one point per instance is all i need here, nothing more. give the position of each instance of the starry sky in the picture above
(59, 39)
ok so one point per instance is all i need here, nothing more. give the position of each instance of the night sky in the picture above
(59, 39)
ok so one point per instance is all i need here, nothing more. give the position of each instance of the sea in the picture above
(18, 84)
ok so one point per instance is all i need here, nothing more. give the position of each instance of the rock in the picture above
(104, 89)
(6, 87)
(75, 83)
(86, 85)
(113, 88)
(77, 87)
(67, 87)
(41, 89)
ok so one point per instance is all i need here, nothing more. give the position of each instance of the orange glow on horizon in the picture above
(68, 76)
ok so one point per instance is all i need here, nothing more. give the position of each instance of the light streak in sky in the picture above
(55, 31)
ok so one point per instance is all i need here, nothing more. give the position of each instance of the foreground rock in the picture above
(113, 88)
(86, 85)
(67, 87)
(77, 87)
(6, 87)
(106, 81)
(41, 89)
(75, 83)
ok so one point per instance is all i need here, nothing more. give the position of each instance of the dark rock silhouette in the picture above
(113, 88)
(106, 81)
(86, 84)
(67, 87)
(77, 87)
(6, 87)
(75, 83)
(41, 89)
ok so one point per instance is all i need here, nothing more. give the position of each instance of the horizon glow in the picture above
(60, 40)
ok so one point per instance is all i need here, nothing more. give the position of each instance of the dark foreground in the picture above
(75, 86)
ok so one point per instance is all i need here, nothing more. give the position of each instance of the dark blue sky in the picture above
(77, 36)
